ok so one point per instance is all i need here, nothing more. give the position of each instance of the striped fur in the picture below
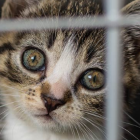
(68, 53)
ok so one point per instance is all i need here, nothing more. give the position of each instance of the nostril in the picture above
(51, 103)
(57, 106)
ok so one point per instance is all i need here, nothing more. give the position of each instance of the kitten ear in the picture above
(13, 8)
(132, 39)
(133, 32)
(133, 10)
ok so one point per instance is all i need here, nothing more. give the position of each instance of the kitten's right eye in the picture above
(33, 59)
(92, 79)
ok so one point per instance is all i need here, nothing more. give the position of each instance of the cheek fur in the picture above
(91, 102)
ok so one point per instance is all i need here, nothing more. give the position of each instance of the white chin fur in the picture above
(15, 129)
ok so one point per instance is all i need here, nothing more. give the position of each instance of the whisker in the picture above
(3, 112)
(131, 124)
(101, 117)
(8, 89)
(71, 130)
(9, 113)
(9, 95)
(89, 131)
(129, 133)
(91, 122)
(91, 111)
(131, 118)
(9, 103)
(6, 116)
(84, 132)
(77, 132)
(124, 138)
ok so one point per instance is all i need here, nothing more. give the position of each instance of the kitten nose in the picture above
(51, 103)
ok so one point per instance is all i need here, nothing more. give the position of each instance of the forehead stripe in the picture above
(52, 38)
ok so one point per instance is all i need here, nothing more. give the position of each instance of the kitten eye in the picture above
(92, 79)
(33, 59)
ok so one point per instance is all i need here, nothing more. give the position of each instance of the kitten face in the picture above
(68, 66)
(56, 78)
(65, 66)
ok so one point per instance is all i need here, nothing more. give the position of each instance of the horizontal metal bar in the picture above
(66, 22)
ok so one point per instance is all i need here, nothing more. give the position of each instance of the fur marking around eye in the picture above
(6, 47)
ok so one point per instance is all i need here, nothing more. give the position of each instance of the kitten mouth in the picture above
(48, 116)
(45, 116)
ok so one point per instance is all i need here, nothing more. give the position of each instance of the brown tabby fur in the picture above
(88, 52)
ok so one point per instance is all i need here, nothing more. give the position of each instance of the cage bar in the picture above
(66, 22)
(113, 96)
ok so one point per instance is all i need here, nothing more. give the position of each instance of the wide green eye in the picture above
(33, 59)
(92, 79)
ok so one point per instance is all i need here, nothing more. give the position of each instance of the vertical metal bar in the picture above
(113, 97)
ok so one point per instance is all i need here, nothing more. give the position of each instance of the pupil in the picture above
(33, 58)
(94, 79)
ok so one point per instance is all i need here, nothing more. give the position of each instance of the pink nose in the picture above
(51, 103)
(58, 89)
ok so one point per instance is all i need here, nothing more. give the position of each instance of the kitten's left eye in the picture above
(92, 79)
(33, 59)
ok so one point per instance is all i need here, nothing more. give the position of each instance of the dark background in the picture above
(1, 3)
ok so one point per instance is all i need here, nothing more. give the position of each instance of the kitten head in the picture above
(56, 78)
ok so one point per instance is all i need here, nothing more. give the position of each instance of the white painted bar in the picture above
(65, 22)
(113, 95)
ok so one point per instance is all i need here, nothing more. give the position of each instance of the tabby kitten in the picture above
(53, 81)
